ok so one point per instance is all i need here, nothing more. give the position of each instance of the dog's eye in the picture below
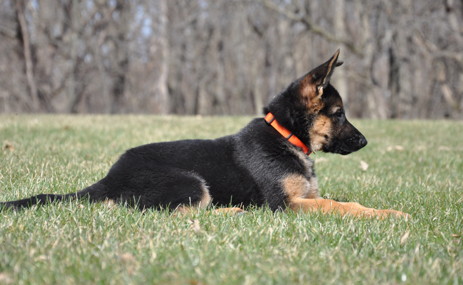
(339, 113)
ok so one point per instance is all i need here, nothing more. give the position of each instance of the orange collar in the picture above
(270, 119)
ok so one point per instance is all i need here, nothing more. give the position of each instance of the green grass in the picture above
(414, 166)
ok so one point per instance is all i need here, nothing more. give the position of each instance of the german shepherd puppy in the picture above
(266, 163)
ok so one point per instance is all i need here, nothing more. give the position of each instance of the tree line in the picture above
(403, 59)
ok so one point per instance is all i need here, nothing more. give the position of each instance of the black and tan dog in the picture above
(266, 163)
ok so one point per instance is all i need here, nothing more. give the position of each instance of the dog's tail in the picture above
(94, 193)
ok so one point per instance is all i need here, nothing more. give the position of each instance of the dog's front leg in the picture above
(342, 208)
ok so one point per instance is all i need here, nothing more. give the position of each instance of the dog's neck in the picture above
(288, 135)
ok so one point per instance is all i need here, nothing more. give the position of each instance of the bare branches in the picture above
(311, 26)
(432, 50)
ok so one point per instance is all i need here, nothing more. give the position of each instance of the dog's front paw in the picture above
(392, 213)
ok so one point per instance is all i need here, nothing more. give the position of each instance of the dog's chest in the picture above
(302, 185)
(306, 162)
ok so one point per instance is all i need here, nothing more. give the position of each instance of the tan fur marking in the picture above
(313, 189)
(233, 211)
(307, 89)
(311, 95)
(335, 109)
(182, 210)
(109, 203)
(330, 206)
(206, 199)
(295, 186)
(320, 129)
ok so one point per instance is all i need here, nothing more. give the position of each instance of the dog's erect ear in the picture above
(322, 74)
(314, 82)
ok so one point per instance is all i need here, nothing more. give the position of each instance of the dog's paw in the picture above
(383, 214)
(398, 214)
(232, 211)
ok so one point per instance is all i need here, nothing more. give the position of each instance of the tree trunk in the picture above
(121, 57)
(340, 80)
(162, 91)
(24, 38)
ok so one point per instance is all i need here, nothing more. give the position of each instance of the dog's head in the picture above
(312, 109)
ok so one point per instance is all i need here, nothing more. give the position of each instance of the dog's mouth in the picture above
(345, 152)
(348, 147)
(340, 151)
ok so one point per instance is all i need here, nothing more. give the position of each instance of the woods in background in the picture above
(403, 59)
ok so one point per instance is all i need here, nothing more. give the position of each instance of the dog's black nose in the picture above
(362, 141)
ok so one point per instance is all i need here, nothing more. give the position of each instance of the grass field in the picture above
(413, 166)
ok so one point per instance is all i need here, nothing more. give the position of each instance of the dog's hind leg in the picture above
(187, 191)
(171, 188)
(159, 188)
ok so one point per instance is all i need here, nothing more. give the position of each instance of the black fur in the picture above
(246, 168)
